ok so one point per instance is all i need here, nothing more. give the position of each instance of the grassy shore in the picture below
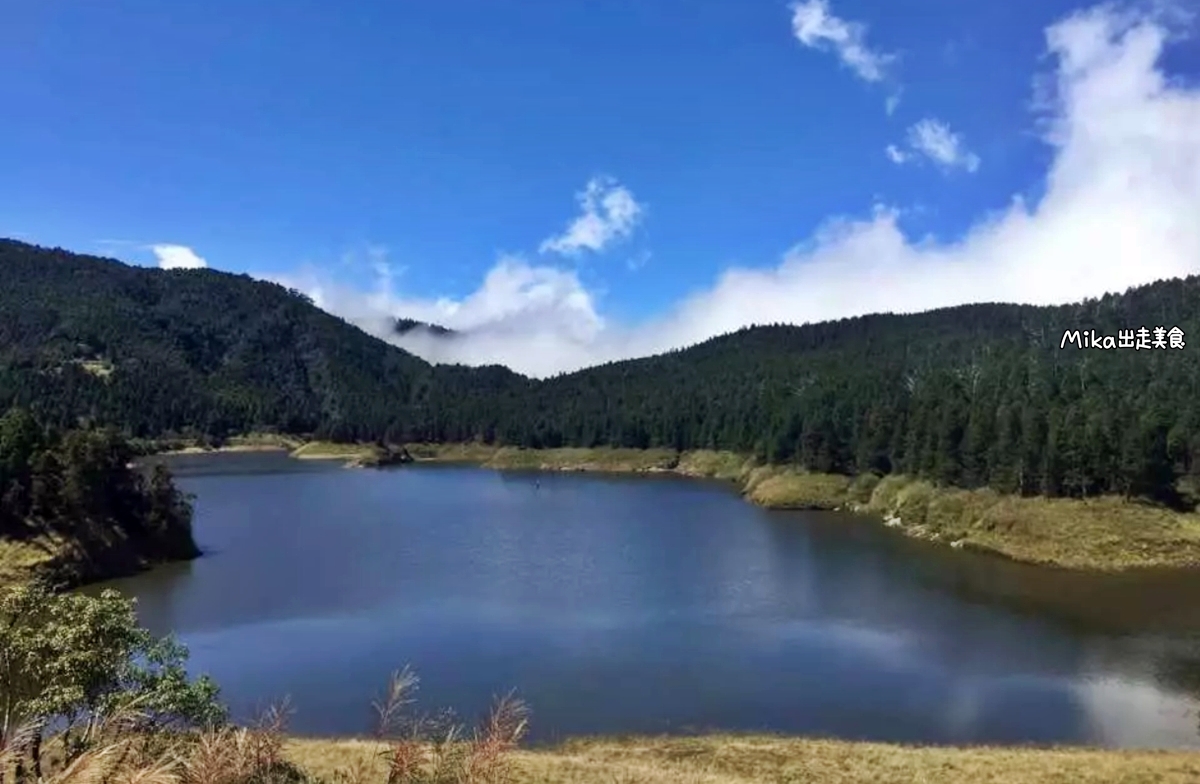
(249, 756)
(328, 450)
(254, 442)
(726, 759)
(1105, 533)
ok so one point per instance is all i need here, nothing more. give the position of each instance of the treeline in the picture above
(973, 395)
(77, 494)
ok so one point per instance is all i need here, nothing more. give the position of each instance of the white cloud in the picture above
(896, 155)
(817, 28)
(610, 214)
(540, 312)
(892, 103)
(934, 139)
(1120, 205)
(177, 257)
(1137, 713)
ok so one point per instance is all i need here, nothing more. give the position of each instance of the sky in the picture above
(571, 182)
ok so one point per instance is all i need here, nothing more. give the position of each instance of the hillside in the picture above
(968, 396)
(158, 351)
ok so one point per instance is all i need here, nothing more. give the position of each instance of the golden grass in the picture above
(328, 450)
(602, 459)
(1108, 532)
(263, 441)
(732, 759)
(97, 367)
(788, 489)
(20, 560)
(253, 442)
(712, 464)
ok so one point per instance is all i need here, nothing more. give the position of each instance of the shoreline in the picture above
(1105, 534)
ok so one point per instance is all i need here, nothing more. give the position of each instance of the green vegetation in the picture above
(978, 398)
(74, 509)
(74, 663)
(975, 396)
(86, 695)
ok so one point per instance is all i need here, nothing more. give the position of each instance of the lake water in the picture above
(648, 605)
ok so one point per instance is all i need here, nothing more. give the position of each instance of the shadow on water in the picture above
(1143, 600)
(1155, 611)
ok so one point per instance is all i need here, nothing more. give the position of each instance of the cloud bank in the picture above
(1120, 205)
(177, 257)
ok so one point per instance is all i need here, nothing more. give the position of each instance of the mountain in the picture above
(158, 351)
(972, 395)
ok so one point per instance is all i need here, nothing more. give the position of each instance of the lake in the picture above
(652, 604)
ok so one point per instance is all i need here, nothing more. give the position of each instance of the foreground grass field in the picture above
(720, 759)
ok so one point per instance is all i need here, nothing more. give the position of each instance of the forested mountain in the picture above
(158, 351)
(973, 395)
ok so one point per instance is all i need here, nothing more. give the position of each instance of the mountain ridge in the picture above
(969, 395)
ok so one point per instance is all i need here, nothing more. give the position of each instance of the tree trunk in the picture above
(35, 752)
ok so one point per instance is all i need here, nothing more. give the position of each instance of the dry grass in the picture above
(710, 464)
(737, 759)
(1097, 533)
(263, 756)
(418, 749)
(19, 561)
(129, 749)
(97, 367)
(789, 489)
(602, 459)
(263, 441)
(328, 450)
(253, 442)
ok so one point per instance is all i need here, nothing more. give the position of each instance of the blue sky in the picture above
(430, 158)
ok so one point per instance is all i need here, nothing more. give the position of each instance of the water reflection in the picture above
(619, 604)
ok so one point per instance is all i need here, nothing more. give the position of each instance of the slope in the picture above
(968, 396)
